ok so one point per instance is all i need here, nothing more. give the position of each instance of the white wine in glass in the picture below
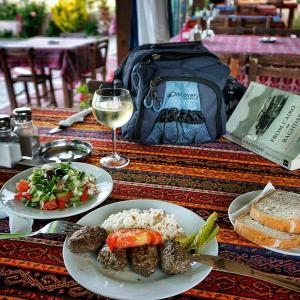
(113, 108)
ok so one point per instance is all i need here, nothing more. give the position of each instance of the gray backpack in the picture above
(177, 94)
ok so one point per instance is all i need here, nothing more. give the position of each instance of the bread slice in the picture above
(263, 235)
(279, 210)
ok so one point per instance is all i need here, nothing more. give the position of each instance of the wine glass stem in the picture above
(208, 24)
(114, 140)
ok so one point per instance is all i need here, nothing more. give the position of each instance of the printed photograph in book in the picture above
(267, 121)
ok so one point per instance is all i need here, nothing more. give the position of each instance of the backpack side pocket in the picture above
(180, 120)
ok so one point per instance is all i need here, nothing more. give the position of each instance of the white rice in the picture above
(155, 219)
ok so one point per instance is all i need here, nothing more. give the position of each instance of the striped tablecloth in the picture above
(204, 179)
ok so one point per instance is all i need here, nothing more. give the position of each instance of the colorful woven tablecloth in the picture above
(203, 179)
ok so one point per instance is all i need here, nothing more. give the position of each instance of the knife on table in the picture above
(227, 265)
(78, 117)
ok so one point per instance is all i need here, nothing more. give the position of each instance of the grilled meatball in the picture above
(87, 239)
(144, 260)
(173, 258)
(116, 259)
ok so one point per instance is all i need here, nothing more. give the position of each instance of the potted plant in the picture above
(70, 15)
(84, 96)
(8, 19)
(32, 16)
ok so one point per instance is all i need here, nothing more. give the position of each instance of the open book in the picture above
(267, 122)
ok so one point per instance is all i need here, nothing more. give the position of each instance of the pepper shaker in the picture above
(26, 131)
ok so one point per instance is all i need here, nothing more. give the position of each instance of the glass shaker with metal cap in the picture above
(27, 132)
(10, 151)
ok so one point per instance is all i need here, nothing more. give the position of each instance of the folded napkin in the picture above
(17, 224)
(268, 189)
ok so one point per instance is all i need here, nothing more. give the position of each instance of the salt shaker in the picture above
(26, 131)
(10, 150)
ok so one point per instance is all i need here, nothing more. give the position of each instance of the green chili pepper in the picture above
(204, 233)
(186, 241)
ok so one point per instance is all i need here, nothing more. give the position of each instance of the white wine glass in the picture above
(113, 108)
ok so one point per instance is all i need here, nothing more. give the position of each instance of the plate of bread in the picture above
(271, 220)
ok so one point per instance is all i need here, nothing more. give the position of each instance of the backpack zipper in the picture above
(165, 56)
(158, 80)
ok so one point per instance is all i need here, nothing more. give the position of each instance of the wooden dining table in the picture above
(69, 55)
(202, 178)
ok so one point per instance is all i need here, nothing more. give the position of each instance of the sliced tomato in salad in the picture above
(63, 198)
(19, 196)
(50, 205)
(22, 185)
(23, 196)
(85, 196)
(133, 237)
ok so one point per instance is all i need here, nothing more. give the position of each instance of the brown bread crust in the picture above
(261, 238)
(281, 224)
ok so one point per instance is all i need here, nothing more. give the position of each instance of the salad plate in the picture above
(243, 200)
(104, 184)
(91, 274)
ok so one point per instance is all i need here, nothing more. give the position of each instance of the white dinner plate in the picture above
(244, 199)
(126, 284)
(104, 184)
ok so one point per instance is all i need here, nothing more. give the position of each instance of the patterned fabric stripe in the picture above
(294, 182)
(229, 285)
(233, 187)
(167, 193)
(41, 283)
(33, 266)
(181, 197)
(24, 295)
(231, 238)
(261, 259)
(31, 252)
(241, 286)
(202, 294)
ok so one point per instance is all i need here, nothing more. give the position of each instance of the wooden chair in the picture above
(26, 56)
(219, 21)
(246, 9)
(98, 52)
(229, 30)
(232, 61)
(223, 25)
(249, 23)
(274, 66)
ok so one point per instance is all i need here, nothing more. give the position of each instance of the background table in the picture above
(243, 46)
(204, 179)
(291, 5)
(70, 55)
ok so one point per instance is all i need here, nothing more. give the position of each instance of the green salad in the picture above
(56, 187)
